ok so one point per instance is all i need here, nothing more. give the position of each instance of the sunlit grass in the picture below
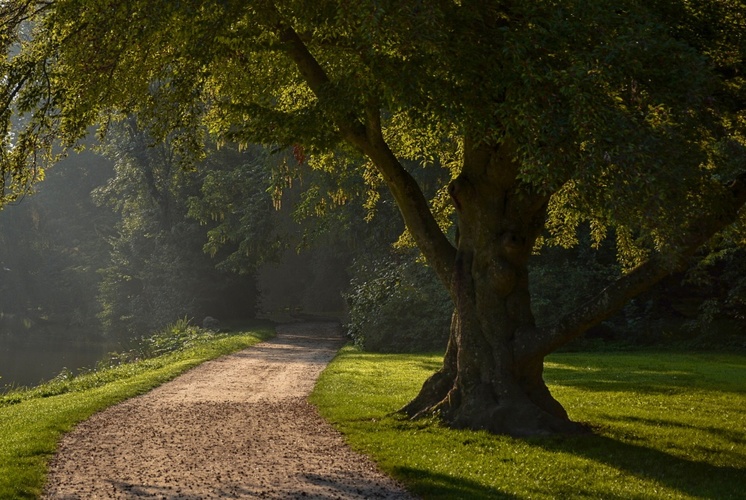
(32, 421)
(666, 426)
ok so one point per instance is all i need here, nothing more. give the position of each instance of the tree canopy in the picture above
(626, 116)
(606, 105)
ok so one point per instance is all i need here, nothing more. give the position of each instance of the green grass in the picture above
(32, 421)
(666, 426)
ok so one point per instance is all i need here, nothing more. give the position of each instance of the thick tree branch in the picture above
(411, 202)
(12, 14)
(540, 342)
(368, 138)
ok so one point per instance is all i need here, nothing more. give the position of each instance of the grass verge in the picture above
(667, 426)
(32, 421)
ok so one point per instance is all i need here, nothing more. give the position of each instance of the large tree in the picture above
(624, 115)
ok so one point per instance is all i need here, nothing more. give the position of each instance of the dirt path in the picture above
(235, 427)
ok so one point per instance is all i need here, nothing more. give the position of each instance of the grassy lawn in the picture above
(32, 421)
(667, 426)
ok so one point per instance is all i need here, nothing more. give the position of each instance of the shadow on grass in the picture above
(737, 437)
(618, 380)
(690, 477)
(432, 485)
(430, 365)
(428, 362)
(645, 373)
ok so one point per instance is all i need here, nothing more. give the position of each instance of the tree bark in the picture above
(482, 385)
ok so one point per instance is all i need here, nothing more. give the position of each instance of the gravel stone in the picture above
(236, 427)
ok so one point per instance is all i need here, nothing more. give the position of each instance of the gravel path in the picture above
(235, 427)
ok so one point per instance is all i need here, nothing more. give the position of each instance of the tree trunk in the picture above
(492, 374)
(482, 385)
(488, 390)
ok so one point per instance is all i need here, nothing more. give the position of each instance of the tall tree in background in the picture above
(157, 271)
(625, 115)
(51, 245)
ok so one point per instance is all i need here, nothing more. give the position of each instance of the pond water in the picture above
(31, 359)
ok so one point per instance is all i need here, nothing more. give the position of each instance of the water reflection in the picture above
(29, 359)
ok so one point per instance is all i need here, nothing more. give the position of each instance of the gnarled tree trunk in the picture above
(492, 374)
(482, 384)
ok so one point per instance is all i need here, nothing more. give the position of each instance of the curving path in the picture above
(235, 427)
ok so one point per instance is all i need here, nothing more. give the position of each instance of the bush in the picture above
(397, 305)
(176, 337)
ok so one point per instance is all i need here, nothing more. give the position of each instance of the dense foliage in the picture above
(605, 95)
(111, 247)
(158, 271)
(397, 305)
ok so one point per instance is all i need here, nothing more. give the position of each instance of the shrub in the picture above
(175, 337)
(397, 305)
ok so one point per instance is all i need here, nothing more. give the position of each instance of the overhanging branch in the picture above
(541, 341)
(368, 138)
